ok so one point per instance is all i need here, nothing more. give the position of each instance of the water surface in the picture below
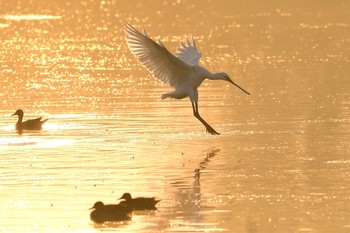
(280, 164)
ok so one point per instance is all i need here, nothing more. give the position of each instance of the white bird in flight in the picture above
(181, 71)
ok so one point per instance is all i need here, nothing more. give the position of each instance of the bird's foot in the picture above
(212, 131)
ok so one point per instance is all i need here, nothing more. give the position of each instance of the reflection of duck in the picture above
(139, 203)
(33, 124)
(103, 213)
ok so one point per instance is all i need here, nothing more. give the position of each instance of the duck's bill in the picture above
(238, 86)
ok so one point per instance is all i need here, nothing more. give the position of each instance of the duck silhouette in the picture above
(33, 124)
(139, 203)
(104, 213)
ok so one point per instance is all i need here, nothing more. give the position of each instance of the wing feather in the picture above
(188, 52)
(156, 58)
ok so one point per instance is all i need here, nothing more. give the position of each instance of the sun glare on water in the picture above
(30, 17)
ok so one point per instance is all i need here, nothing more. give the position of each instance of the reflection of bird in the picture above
(139, 203)
(203, 164)
(103, 213)
(181, 71)
(33, 124)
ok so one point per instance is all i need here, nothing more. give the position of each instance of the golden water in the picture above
(280, 164)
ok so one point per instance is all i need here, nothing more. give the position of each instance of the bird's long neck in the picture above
(214, 76)
(20, 119)
(206, 74)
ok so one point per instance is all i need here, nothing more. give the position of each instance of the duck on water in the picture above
(32, 124)
(112, 212)
(139, 203)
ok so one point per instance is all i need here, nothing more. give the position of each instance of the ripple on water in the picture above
(30, 17)
(30, 141)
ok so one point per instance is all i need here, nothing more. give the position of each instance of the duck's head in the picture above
(124, 204)
(126, 196)
(97, 205)
(19, 113)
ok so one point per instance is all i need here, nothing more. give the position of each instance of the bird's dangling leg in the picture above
(196, 114)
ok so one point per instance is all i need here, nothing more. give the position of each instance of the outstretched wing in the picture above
(188, 52)
(156, 58)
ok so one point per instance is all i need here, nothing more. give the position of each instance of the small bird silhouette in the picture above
(103, 213)
(33, 124)
(139, 203)
(181, 71)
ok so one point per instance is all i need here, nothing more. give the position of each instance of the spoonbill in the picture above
(181, 71)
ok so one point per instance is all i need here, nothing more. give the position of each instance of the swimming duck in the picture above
(33, 124)
(103, 213)
(140, 203)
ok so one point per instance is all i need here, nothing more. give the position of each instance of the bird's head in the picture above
(227, 78)
(19, 112)
(97, 205)
(126, 196)
(221, 76)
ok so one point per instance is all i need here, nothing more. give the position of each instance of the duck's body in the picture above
(139, 203)
(32, 124)
(103, 213)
